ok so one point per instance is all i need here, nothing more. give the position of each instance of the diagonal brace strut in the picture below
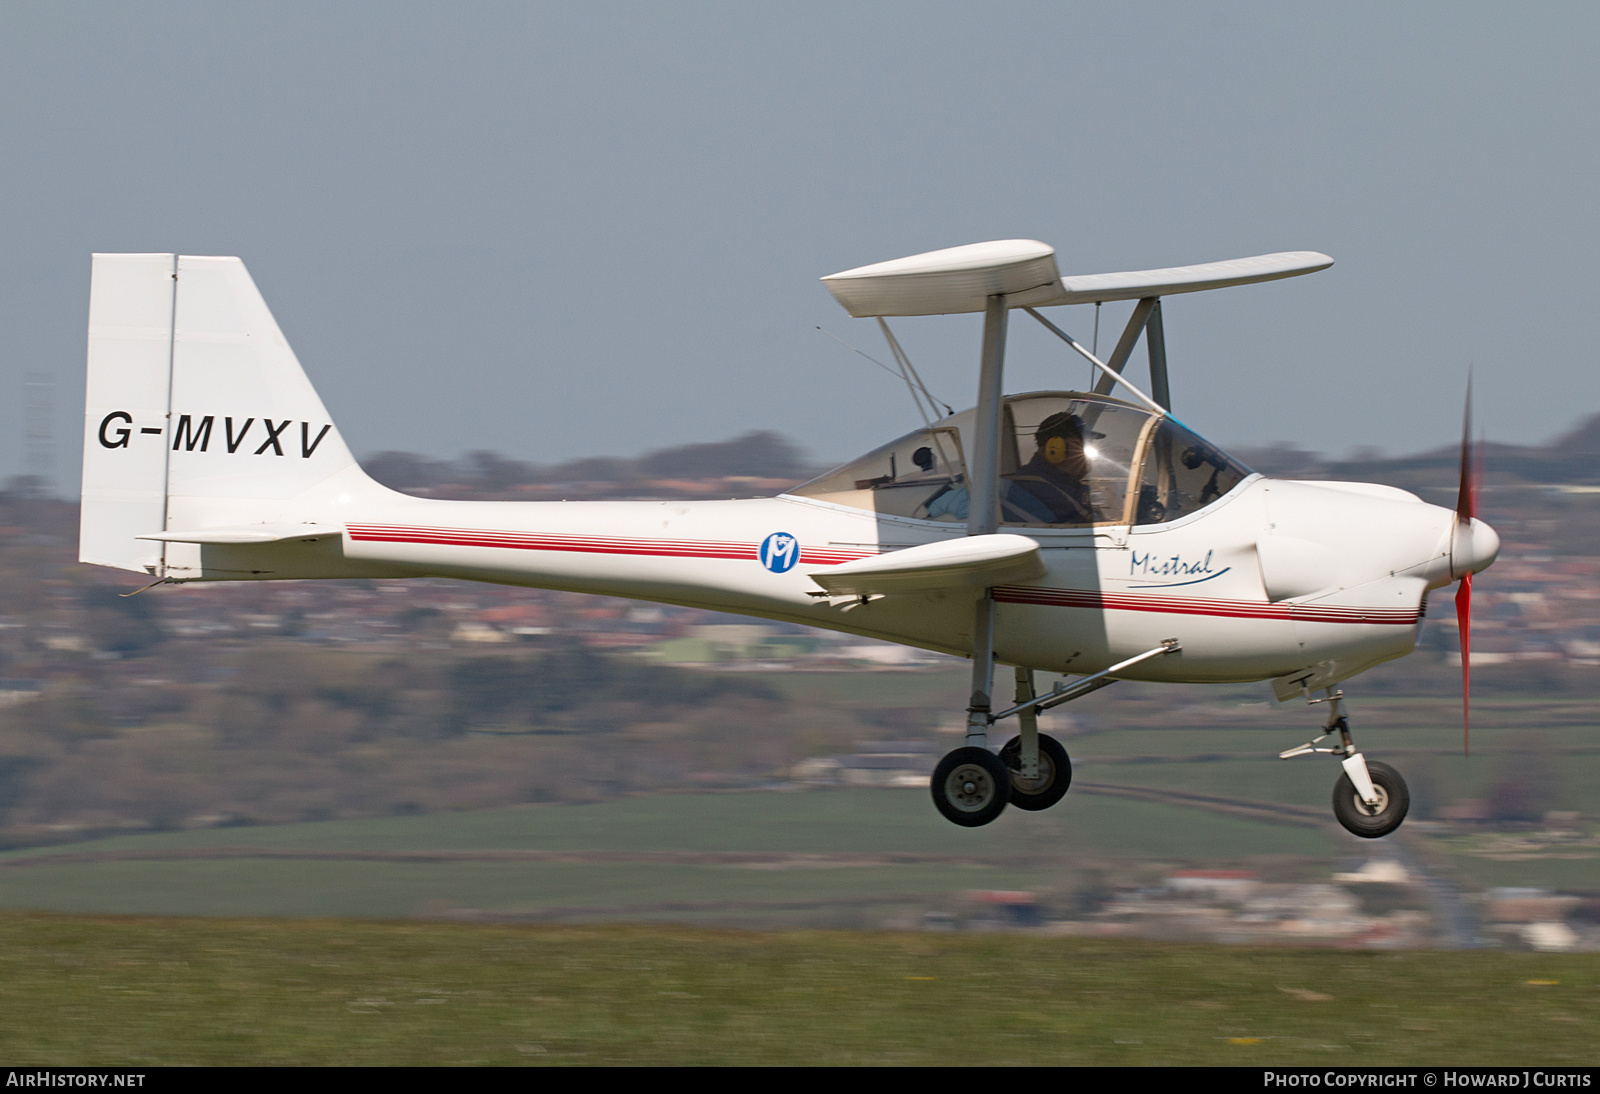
(1064, 692)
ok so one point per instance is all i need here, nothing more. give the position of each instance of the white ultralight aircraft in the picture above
(1064, 531)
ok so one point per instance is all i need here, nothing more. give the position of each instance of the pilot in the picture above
(1050, 488)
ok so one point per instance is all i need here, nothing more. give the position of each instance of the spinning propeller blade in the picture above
(1467, 498)
(1464, 626)
(1466, 509)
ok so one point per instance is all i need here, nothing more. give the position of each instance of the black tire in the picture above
(1055, 774)
(971, 787)
(1393, 801)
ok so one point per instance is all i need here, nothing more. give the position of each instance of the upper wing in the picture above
(961, 279)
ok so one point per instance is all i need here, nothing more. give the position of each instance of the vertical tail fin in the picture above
(198, 414)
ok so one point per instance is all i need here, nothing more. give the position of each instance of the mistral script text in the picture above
(1148, 564)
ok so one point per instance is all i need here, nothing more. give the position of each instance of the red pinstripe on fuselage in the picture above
(601, 545)
(833, 556)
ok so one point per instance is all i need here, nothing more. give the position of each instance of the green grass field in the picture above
(131, 992)
(821, 858)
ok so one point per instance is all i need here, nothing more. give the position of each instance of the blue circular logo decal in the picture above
(779, 552)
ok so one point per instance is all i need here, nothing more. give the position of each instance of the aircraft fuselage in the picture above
(1221, 581)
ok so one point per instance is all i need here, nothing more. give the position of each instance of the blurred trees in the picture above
(119, 624)
(759, 454)
(303, 733)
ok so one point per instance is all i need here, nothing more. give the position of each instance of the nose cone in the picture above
(1473, 546)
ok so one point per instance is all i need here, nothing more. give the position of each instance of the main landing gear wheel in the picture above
(971, 786)
(1372, 821)
(1055, 774)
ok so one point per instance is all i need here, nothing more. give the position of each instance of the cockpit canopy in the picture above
(1067, 460)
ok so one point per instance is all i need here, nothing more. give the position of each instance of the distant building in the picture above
(1234, 885)
(471, 630)
(1527, 905)
(1376, 872)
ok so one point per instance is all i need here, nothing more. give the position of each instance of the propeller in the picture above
(1466, 510)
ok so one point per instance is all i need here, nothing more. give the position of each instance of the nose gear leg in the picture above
(1355, 766)
(1370, 799)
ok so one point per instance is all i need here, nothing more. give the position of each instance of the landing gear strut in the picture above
(1370, 799)
(971, 786)
(1038, 765)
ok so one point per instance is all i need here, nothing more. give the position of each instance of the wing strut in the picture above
(1130, 337)
(983, 482)
(1116, 376)
(983, 488)
(1146, 320)
(1155, 341)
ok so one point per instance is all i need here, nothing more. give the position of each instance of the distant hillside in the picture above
(759, 461)
(1572, 458)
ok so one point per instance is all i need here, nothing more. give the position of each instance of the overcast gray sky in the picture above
(561, 230)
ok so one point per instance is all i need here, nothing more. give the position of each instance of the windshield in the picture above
(1183, 473)
(1067, 460)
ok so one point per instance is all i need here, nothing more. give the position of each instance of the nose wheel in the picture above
(1380, 816)
(971, 786)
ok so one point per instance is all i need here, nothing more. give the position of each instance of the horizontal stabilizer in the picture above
(972, 562)
(961, 279)
(248, 533)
